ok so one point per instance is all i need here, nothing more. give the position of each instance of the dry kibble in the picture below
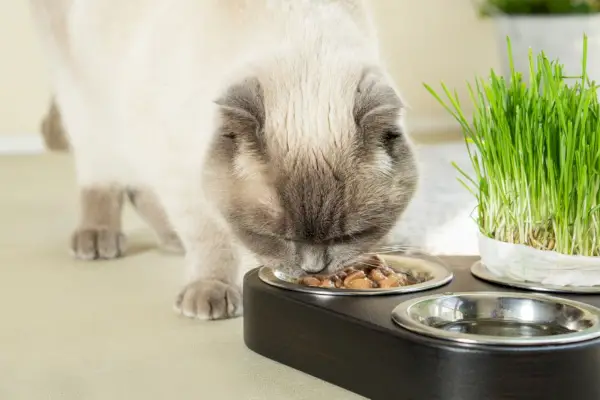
(360, 283)
(337, 281)
(377, 275)
(311, 281)
(327, 283)
(353, 276)
(371, 273)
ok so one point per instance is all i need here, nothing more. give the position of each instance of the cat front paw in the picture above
(209, 300)
(94, 244)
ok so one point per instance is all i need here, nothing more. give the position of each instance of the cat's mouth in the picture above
(295, 272)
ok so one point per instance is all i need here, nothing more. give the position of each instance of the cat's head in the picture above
(311, 175)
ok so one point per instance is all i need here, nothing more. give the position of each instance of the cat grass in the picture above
(535, 151)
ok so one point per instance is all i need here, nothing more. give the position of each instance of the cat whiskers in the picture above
(395, 249)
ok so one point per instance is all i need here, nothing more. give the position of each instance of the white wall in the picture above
(433, 41)
(424, 41)
(23, 87)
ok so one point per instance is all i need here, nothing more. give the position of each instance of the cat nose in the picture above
(313, 268)
(315, 260)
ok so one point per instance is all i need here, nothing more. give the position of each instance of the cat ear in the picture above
(376, 103)
(242, 107)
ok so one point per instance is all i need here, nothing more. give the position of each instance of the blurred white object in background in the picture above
(439, 219)
(559, 36)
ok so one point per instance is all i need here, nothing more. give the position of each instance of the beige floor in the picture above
(84, 331)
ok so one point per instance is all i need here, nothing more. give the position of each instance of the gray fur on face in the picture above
(315, 208)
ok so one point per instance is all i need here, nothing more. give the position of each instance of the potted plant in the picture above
(555, 26)
(535, 150)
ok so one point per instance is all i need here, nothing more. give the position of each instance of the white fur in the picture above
(136, 82)
(137, 79)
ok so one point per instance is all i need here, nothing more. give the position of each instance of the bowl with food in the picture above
(372, 274)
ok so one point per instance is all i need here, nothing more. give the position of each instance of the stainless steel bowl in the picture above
(433, 271)
(479, 270)
(497, 318)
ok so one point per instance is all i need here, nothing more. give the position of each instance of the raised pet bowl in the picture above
(497, 318)
(484, 273)
(429, 272)
(417, 347)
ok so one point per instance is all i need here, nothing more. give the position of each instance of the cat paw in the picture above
(209, 300)
(94, 244)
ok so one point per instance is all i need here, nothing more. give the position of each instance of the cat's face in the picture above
(311, 186)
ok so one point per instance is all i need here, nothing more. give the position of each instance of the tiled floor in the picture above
(105, 330)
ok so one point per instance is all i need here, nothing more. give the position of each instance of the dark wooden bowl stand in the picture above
(353, 343)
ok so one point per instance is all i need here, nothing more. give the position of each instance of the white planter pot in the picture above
(525, 263)
(560, 37)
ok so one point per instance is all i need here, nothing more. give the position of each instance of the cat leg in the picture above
(149, 208)
(212, 263)
(52, 129)
(99, 174)
(99, 235)
(212, 259)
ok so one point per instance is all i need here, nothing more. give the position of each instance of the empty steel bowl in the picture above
(499, 318)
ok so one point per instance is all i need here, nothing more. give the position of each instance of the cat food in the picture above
(373, 273)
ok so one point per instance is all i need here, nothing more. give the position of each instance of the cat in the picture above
(52, 130)
(256, 132)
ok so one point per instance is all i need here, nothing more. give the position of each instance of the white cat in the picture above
(263, 128)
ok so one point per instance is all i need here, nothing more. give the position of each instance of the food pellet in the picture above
(373, 273)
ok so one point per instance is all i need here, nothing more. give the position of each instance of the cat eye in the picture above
(391, 135)
(352, 237)
(389, 141)
(342, 239)
(345, 238)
